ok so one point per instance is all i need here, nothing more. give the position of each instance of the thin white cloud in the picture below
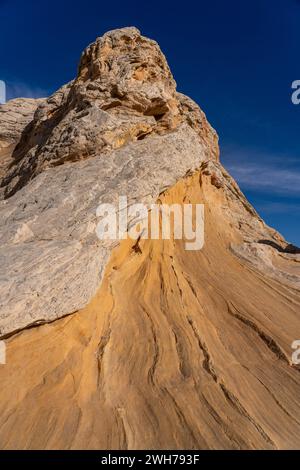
(279, 208)
(266, 178)
(22, 90)
(263, 172)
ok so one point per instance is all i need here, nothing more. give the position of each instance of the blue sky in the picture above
(237, 59)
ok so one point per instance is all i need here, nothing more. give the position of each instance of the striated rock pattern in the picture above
(48, 241)
(178, 350)
(140, 345)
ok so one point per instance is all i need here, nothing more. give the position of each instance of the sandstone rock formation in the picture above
(139, 345)
(124, 92)
(49, 226)
(14, 117)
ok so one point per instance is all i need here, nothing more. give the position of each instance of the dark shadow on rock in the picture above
(290, 249)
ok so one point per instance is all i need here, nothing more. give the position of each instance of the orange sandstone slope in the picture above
(178, 349)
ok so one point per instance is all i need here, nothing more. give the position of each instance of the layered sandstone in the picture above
(178, 350)
(130, 133)
(159, 347)
(14, 117)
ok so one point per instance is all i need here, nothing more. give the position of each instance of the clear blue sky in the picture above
(237, 59)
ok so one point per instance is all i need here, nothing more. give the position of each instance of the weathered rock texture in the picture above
(14, 117)
(124, 92)
(165, 348)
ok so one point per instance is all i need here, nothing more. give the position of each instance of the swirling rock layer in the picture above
(178, 350)
(138, 345)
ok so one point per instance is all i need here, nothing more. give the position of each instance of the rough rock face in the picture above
(14, 117)
(124, 92)
(165, 348)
